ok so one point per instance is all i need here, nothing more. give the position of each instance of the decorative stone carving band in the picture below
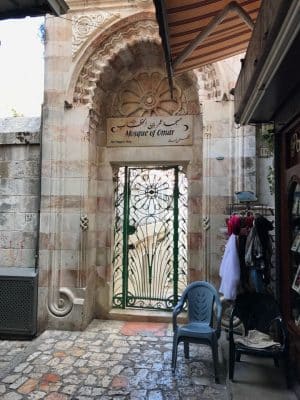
(84, 223)
(91, 71)
(84, 25)
(206, 223)
(209, 83)
(207, 130)
(64, 304)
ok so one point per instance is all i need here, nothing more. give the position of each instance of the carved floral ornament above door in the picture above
(148, 94)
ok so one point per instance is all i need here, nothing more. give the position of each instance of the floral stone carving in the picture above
(147, 94)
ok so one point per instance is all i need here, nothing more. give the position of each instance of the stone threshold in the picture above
(143, 315)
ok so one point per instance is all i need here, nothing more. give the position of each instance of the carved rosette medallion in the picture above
(148, 94)
(84, 25)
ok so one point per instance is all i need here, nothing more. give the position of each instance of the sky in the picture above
(21, 67)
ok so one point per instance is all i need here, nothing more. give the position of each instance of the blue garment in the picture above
(256, 280)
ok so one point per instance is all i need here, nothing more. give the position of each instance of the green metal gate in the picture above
(150, 238)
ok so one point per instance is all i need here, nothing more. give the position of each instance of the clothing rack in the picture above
(264, 210)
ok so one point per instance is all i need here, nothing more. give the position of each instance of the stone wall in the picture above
(229, 162)
(107, 62)
(19, 191)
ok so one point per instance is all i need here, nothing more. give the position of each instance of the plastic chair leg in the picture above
(174, 354)
(215, 358)
(231, 362)
(288, 376)
(186, 349)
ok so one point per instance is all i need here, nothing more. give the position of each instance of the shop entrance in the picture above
(150, 237)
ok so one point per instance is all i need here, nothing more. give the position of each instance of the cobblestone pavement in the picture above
(109, 360)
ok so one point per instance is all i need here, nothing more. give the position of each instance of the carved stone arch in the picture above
(121, 34)
(137, 74)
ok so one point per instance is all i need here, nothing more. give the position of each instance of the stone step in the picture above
(143, 315)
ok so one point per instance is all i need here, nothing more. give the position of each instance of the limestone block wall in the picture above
(229, 165)
(64, 171)
(19, 191)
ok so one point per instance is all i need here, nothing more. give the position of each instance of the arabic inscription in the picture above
(150, 131)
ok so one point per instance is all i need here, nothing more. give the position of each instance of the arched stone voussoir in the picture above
(121, 39)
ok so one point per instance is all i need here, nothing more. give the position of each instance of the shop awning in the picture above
(270, 75)
(198, 32)
(24, 8)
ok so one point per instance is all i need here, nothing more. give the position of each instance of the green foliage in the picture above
(42, 33)
(271, 179)
(267, 136)
(15, 113)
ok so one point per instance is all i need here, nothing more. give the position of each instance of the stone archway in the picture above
(79, 200)
(134, 83)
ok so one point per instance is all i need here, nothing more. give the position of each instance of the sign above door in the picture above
(176, 130)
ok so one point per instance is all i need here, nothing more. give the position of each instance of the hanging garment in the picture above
(258, 253)
(233, 224)
(249, 219)
(230, 269)
(254, 251)
(246, 223)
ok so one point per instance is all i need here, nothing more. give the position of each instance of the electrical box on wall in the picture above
(18, 301)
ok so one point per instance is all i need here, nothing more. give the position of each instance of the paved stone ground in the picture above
(110, 360)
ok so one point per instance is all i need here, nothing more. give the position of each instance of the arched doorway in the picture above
(123, 92)
(150, 237)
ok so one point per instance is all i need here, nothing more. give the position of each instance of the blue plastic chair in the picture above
(204, 311)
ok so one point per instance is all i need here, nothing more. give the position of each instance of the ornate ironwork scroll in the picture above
(150, 250)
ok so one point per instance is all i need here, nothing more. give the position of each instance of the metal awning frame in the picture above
(161, 15)
(233, 6)
(58, 6)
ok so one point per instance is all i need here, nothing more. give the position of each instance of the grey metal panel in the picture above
(18, 301)
(17, 272)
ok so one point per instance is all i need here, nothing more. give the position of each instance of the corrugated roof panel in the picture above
(186, 20)
(23, 8)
